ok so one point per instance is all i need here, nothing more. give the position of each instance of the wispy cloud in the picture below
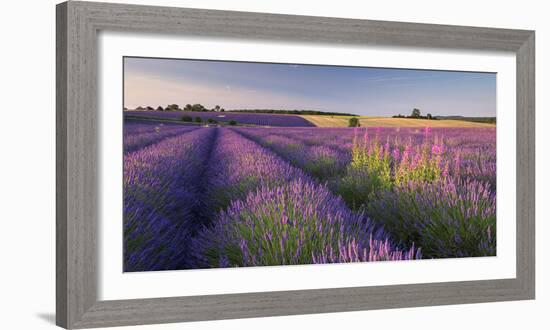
(153, 90)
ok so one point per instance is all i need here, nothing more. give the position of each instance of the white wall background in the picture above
(27, 164)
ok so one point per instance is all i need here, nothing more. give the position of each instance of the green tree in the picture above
(232, 122)
(198, 107)
(353, 122)
(172, 107)
(188, 107)
(415, 113)
(198, 120)
(429, 116)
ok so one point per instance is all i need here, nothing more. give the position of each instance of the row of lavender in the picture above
(161, 182)
(257, 209)
(258, 119)
(139, 134)
(435, 189)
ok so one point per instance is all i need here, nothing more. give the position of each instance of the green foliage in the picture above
(357, 187)
(198, 108)
(211, 121)
(187, 118)
(488, 120)
(445, 219)
(232, 122)
(198, 120)
(415, 113)
(353, 122)
(368, 173)
(373, 170)
(172, 107)
(324, 167)
(422, 167)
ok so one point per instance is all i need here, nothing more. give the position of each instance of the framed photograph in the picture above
(216, 164)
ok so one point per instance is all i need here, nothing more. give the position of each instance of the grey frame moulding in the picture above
(78, 24)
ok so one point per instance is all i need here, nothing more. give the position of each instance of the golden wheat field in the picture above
(342, 121)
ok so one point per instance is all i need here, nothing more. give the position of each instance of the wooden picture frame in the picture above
(78, 24)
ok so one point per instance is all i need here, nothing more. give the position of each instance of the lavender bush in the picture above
(320, 161)
(160, 183)
(376, 167)
(446, 219)
(297, 223)
(238, 166)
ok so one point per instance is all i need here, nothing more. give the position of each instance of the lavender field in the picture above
(234, 196)
(257, 119)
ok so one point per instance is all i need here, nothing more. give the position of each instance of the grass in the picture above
(367, 121)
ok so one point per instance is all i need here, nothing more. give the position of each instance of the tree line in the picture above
(200, 108)
(174, 107)
(295, 112)
(415, 114)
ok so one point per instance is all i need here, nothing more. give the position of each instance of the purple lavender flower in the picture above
(320, 228)
(159, 185)
(449, 218)
(139, 134)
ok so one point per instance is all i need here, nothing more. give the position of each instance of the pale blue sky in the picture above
(359, 90)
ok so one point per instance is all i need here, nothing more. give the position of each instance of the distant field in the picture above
(342, 121)
(258, 119)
